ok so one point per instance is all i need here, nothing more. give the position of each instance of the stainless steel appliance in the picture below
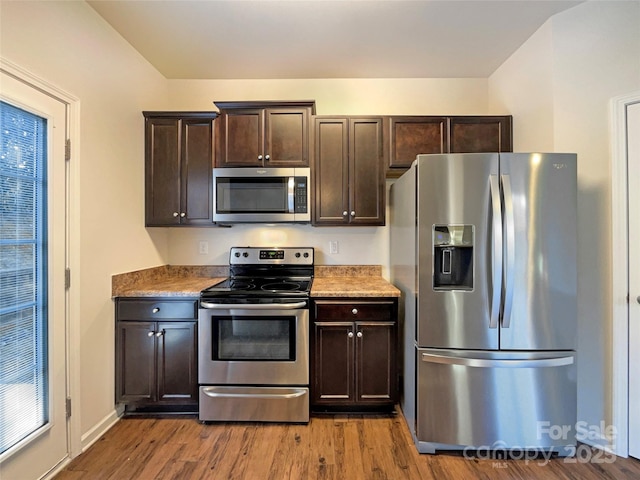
(483, 248)
(267, 195)
(253, 334)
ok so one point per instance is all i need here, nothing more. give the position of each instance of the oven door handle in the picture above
(253, 306)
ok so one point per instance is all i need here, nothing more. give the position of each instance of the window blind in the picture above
(23, 275)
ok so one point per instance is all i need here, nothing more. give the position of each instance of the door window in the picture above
(24, 406)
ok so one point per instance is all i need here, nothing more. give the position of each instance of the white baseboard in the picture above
(93, 435)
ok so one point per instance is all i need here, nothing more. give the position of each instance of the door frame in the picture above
(620, 274)
(72, 300)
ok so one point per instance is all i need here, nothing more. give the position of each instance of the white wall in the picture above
(558, 85)
(358, 245)
(68, 45)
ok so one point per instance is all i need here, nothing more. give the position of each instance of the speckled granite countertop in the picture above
(351, 281)
(167, 281)
(188, 281)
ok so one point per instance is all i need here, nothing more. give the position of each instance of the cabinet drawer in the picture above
(156, 309)
(328, 310)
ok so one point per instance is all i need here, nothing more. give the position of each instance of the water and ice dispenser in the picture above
(453, 257)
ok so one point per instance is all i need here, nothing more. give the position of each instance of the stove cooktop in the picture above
(266, 272)
(260, 286)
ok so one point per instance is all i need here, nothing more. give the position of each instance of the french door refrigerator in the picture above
(483, 248)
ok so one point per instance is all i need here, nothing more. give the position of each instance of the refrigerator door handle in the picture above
(502, 363)
(496, 254)
(510, 242)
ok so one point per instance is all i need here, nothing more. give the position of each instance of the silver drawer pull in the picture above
(354, 311)
(350, 334)
(150, 334)
(155, 310)
(359, 334)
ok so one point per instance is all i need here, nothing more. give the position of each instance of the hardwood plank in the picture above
(330, 447)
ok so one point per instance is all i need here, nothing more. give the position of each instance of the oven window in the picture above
(250, 338)
(252, 195)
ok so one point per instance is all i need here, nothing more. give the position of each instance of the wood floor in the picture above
(340, 447)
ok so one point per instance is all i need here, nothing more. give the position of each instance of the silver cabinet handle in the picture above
(182, 215)
(354, 311)
(159, 334)
(353, 213)
(150, 334)
(175, 214)
(266, 157)
(350, 334)
(259, 157)
(155, 310)
(359, 334)
(345, 213)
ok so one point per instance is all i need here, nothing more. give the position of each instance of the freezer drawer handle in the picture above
(489, 363)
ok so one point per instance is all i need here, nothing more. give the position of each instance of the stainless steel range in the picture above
(253, 333)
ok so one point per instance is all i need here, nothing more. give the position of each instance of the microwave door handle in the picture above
(291, 194)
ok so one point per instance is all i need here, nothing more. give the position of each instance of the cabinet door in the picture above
(240, 138)
(197, 164)
(366, 172)
(375, 362)
(177, 364)
(480, 134)
(287, 137)
(135, 361)
(333, 374)
(331, 171)
(162, 171)
(411, 136)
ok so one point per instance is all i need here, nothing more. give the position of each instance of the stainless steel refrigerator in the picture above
(483, 248)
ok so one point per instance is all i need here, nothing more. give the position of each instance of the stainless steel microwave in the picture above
(261, 195)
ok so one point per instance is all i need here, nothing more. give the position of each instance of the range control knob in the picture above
(297, 254)
(237, 254)
(245, 254)
(306, 255)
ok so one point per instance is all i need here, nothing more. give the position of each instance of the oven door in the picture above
(253, 344)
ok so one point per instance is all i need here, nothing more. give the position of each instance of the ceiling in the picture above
(274, 39)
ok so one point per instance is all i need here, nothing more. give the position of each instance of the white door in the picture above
(633, 159)
(33, 321)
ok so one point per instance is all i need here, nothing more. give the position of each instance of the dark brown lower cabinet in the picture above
(354, 354)
(156, 360)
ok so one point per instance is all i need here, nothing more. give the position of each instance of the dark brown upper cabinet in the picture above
(408, 136)
(480, 134)
(263, 134)
(348, 171)
(178, 168)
